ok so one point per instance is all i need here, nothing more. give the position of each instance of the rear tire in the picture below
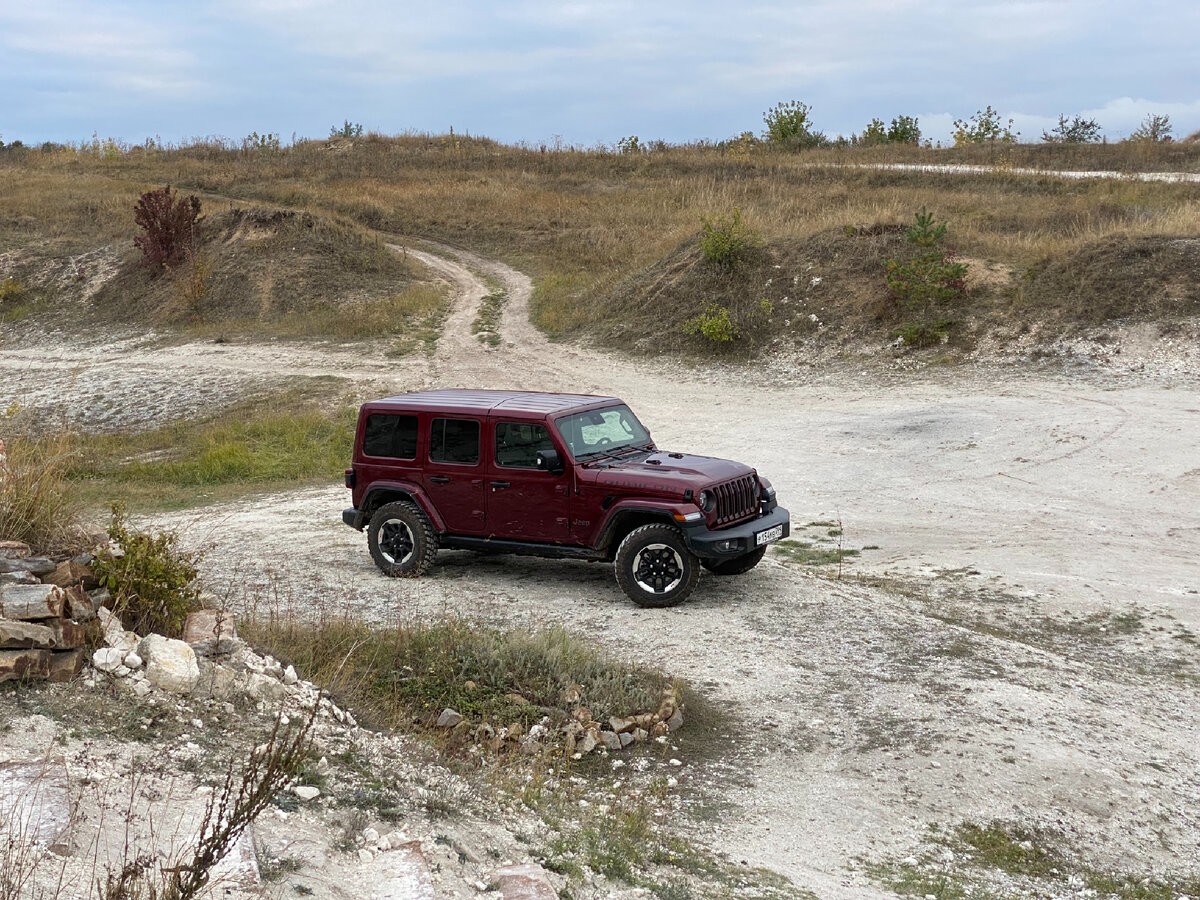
(737, 565)
(401, 539)
(654, 567)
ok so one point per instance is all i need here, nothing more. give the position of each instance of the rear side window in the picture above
(454, 441)
(391, 436)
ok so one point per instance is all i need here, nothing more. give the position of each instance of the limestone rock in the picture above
(37, 804)
(71, 573)
(265, 688)
(449, 718)
(38, 565)
(18, 664)
(18, 578)
(65, 665)
(306, 791)
(210, 631)
(676, 721)
(289, 676)
(170, 664)
(107, 659)
(68, 635)
(621, 725)
(610, 740)
(79, 605)
(524, 882)
(32, 601)
(14, 550)
(24, 635)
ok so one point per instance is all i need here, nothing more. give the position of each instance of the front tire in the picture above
(401, 539)
(654, 566)
(737, 565)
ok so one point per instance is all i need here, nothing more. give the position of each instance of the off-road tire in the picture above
(401, 539)
(654, 566)
(737, 565)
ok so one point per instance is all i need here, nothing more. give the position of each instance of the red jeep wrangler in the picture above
(559, 475)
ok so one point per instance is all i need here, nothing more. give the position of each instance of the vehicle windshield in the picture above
(600, 432)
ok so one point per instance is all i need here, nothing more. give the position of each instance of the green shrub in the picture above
(348, 130)
(926, 281)
(904, 130)
(788, 124)
(261, 143)
(152, 581)
(714, 324)
(630, 145)
(875, 133)
(925, 232)
(926, 285)
(1154, 129)
(985, 127)
(11, 292)
(1077, 131)
(923, 334)
(729, 242)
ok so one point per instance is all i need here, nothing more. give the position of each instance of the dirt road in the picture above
(1030, 656)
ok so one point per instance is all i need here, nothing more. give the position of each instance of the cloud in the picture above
(592, 71)
(115, 47)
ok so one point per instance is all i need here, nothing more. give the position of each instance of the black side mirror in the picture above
(548, 461)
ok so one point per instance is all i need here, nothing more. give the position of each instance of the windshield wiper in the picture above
(606, 453)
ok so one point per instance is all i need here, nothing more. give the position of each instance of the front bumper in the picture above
(355, 518)
(738, 540)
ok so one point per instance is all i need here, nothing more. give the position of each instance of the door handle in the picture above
(439, 479)
(500, 484)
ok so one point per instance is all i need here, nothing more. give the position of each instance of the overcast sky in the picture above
(584, 72)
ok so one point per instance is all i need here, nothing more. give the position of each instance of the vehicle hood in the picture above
(671, 473)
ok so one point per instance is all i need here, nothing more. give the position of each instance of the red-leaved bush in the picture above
(168, 221)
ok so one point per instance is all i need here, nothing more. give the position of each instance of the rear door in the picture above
(453, 475)
(524, 502)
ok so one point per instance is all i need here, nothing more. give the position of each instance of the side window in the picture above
(454, 441)
(391, 436)
(517, 444)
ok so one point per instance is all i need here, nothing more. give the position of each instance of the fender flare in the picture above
(413, 492)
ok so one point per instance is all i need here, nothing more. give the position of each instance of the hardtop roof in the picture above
(482, 402)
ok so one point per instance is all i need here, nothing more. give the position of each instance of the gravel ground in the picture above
(1018, 648)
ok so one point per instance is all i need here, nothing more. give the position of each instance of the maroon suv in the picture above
(559, 475)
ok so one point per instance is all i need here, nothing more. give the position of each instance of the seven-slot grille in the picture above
(737, 499)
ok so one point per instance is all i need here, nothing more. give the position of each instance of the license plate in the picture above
(771, 534)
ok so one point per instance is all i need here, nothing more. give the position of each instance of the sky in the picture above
(584, 73)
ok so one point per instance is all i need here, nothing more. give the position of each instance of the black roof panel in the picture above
(484, 401)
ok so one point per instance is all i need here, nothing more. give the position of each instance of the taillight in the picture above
(350, 478)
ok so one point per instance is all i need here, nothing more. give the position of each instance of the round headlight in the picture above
(706, 501)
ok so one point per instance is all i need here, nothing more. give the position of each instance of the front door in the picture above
(525, 503)
(453, 474)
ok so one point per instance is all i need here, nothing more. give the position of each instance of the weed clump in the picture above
(37, 505)
(714, 324)
(411, 673)
(729, 242)
(153, 582)
(169, 223)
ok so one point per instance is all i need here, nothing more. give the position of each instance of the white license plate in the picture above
(771, 534)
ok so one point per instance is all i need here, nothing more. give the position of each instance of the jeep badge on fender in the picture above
(559, 475)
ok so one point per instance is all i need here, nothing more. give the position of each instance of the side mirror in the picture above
(548, 461)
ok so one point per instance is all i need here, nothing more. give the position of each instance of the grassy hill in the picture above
(612, 239)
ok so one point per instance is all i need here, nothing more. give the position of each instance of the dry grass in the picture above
(37, 504)
(584, 223)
